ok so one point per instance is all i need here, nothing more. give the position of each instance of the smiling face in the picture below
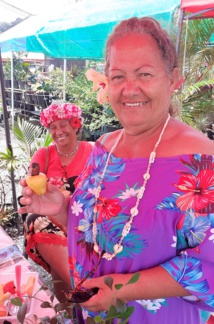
(140, 88)
(63, 133)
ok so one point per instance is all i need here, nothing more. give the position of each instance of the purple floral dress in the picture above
(174, 229)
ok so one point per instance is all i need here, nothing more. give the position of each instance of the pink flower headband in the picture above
(100, 82)
(58, 111)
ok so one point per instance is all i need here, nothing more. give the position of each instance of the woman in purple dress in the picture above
(144, 204)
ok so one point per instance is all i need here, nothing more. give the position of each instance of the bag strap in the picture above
(46, 159)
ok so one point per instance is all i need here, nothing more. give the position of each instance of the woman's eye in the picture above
(145, 75)
(117, 78)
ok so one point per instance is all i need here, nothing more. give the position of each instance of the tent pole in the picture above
(12, 89)
(181, 20)
(7, 134)
(64, 78)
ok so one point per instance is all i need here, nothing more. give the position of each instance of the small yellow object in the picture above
(37, 183)
(3, 296)
(29, 286)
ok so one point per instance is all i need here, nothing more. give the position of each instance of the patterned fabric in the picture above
(38, 228)
(174, 228)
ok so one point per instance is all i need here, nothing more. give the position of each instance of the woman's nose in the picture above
(58, 130)
(131, 87)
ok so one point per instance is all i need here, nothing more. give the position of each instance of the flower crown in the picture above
(100, 82)
(58, 111)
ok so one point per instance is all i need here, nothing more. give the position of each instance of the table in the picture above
(10, 255)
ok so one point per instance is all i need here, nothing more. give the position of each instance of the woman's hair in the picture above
(142, 26)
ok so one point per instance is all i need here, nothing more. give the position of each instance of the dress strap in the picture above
(104, 138)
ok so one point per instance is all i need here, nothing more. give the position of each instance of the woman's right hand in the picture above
(52, 203)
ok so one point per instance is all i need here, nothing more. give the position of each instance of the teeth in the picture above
(135, 104)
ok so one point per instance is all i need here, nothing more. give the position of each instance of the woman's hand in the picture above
(106, 296)
(52, 203)
(152, 283)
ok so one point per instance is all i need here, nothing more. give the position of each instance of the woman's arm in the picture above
(152, 284)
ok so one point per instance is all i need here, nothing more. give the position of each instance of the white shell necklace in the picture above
(134, 210)
(71, 153)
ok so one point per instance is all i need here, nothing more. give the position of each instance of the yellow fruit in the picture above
(37, 183)
(29, 286)
(3, 296)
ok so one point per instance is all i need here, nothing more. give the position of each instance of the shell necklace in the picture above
(68, 154)
(134, 210)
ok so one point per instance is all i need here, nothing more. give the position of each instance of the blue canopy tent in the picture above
(81, 31)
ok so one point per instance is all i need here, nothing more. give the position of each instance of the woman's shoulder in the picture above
(186, 139)
(86, 146)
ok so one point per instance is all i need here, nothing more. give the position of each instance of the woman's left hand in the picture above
(106, 296)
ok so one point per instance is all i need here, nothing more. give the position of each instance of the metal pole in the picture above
(64, 78)
(7, 134)
(12, 88)
(181, 19)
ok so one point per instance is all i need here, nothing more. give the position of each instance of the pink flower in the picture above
(100, 82)
(76, 122)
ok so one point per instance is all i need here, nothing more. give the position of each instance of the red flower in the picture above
(76, 122)
(107, 208)
(58, 182)
(198, 190)
(72, 267)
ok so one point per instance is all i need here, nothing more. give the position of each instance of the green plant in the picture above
(7, 213)
(21, 69)
(120, 312)
(196, 95)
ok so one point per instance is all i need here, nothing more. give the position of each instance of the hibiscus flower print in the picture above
(195, 228)
(107, 208)
(74, 267)
(198, 190)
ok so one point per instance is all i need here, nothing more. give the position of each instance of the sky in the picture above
(9, 14)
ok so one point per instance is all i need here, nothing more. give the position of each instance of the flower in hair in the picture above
(100, 82)
(58, 111)
(76, 122)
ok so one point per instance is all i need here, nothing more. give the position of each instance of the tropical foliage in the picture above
(197, 61)
(29, 138)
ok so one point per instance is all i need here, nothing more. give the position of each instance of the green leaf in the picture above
(108, 281)
(133, 279)
(59, 307)
(22, 313)
(45, 319)
(118, 286)
(112, 312)
(16, 301)
(52, 298)
(96, 319)
(127, 313)
(45, 304)
(121, 305)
